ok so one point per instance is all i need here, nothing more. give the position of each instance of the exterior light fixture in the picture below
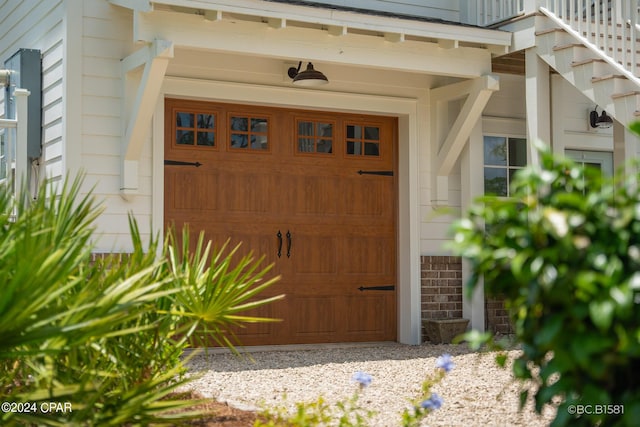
(602, 121)
(308, 77)
(5, 76)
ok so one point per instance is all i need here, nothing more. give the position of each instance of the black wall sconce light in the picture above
(308, 77)
(5, 77)
(602, 121)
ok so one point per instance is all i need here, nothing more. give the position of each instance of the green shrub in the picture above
(104, 339)
(564, 252)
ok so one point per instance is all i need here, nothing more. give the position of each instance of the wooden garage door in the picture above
(314, 192)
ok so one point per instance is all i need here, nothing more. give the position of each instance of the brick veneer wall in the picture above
(441, 288)
(442, 295)
(497, 317)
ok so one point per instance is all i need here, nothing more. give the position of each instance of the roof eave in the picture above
(334, 18)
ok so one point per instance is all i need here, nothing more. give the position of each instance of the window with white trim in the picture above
(503, 156)
(600, 160)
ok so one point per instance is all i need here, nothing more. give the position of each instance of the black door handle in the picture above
(279, 236)
(288, 244)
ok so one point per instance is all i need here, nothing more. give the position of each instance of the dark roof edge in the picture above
(375, 13)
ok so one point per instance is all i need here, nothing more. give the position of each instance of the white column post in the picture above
(538, 103)
(409, 284)
(22, 169)
(625, 146)
(558, 125)
(531, 6)
(472, 187)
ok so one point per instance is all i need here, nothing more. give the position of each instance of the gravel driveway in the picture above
(476, 392)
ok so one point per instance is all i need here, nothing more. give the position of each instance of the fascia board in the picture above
(337, 18)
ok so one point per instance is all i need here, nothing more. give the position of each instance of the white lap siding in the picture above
(33, 24)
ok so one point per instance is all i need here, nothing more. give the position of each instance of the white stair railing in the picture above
(13, 133)
(607, 27)
(7, 149)
(489, 12)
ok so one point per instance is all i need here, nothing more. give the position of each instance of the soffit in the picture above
(335, 21)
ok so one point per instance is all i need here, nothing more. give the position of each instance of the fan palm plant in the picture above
(105, 337)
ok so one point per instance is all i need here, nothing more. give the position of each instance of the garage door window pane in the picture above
(250, 133)
(325, 146)
(239, 123)
(206, 121)
(354, 147)
(325, 129)
(372, 133)
(371, 149)
(305, 128)
(363, 140)
(206, 139)
(195, 129)
(314, 137)
(239, 140)
(184, 137)
(306, 145)
(184, 120)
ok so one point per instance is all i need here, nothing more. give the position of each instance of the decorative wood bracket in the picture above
(141, 91)
(450, 139)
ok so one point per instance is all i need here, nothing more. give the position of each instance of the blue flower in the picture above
(362, 378)
(432, 403)
(445, 362)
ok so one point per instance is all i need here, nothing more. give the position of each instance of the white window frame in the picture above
(602, 158)
(507, 167)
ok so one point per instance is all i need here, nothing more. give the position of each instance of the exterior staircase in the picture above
(599, 60)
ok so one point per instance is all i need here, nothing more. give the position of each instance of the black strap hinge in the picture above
(377, 288)
(181, 163)
(384, 173)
